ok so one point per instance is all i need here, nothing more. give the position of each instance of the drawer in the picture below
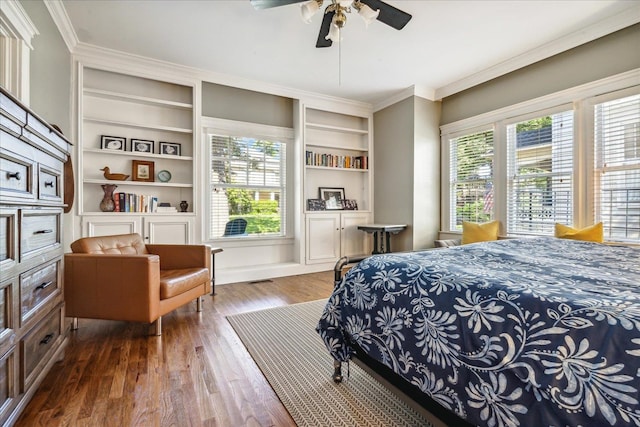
(12, 110)
(49, 184)
(7, 124)
(37, 286)
(7, 332)
(8, 239)
(16, 172)
(38, 345)
(40, 230)
(42, 136)
(8, 389)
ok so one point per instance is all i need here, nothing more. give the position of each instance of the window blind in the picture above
(540, 174)
(471, 179)
(248, 178)
(617, 168)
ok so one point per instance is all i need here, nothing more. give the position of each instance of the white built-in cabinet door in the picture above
(323, 238)
(93, 226)
(172, 229)
(331, 236)
(168, 230)
(354, 242)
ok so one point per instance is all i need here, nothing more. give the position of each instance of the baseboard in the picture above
(263, 272)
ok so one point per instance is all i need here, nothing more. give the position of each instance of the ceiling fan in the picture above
(335, 18)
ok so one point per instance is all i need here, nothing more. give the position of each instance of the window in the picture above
(247, 186)
(471, 178)
(540, 174)
(571, 157)
(617, 168)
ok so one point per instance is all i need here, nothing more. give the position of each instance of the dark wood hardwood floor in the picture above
(197, 373)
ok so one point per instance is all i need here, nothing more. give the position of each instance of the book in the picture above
(123, 207)
(165, 209)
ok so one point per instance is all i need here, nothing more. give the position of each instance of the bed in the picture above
(523, 332)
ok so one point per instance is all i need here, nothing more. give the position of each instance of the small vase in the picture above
(184, 206)
(107, 204)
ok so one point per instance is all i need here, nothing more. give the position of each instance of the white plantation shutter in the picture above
(540, 174)
(248, 179)
(617, 168)
(471, 179)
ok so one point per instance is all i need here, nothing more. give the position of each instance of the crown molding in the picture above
(61, 19)
(425, 92)
(394, 99)
(117, 61)
(419, 91)
(309, 98)
(617, 22)
(15, 23)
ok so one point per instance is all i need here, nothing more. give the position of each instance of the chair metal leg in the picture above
(74, 323)
(158, 326)
(199, 304)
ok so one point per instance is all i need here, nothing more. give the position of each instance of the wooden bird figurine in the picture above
(113, 176)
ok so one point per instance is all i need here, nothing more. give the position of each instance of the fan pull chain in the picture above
(339, 57)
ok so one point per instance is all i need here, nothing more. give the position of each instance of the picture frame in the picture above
(350, 204)
(316, 205)
(142, 170)
(332, 196)
(170, 148)
(142, 146)
(116, 143)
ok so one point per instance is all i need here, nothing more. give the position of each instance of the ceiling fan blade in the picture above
(324, 30)
(266, 4)
(388, 14)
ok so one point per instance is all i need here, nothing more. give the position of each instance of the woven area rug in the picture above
(285, 346)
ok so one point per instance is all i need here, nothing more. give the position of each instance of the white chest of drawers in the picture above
(32, 327)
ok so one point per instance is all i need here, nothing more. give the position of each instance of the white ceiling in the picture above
(447, 46)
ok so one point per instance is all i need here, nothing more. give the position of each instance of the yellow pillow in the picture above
(592, 233)
(473, 232)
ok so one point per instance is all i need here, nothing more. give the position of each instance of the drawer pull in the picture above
(46, 339)
(47, 231)
(48, 184)
(44, 285)
(15, 175)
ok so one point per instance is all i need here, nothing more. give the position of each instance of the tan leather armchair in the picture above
(121, 278)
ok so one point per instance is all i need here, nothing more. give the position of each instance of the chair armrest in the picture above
(117, 287)
(176, 257)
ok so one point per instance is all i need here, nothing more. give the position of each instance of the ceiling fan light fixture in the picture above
(338, 21)
(334, 32)
(309, 9)
(335, 18)
(366, 13)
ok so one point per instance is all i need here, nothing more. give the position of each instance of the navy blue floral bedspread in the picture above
(528, 332)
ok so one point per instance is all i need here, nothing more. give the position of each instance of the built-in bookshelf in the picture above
(125, 121)
(134, 108)
(337, 155)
